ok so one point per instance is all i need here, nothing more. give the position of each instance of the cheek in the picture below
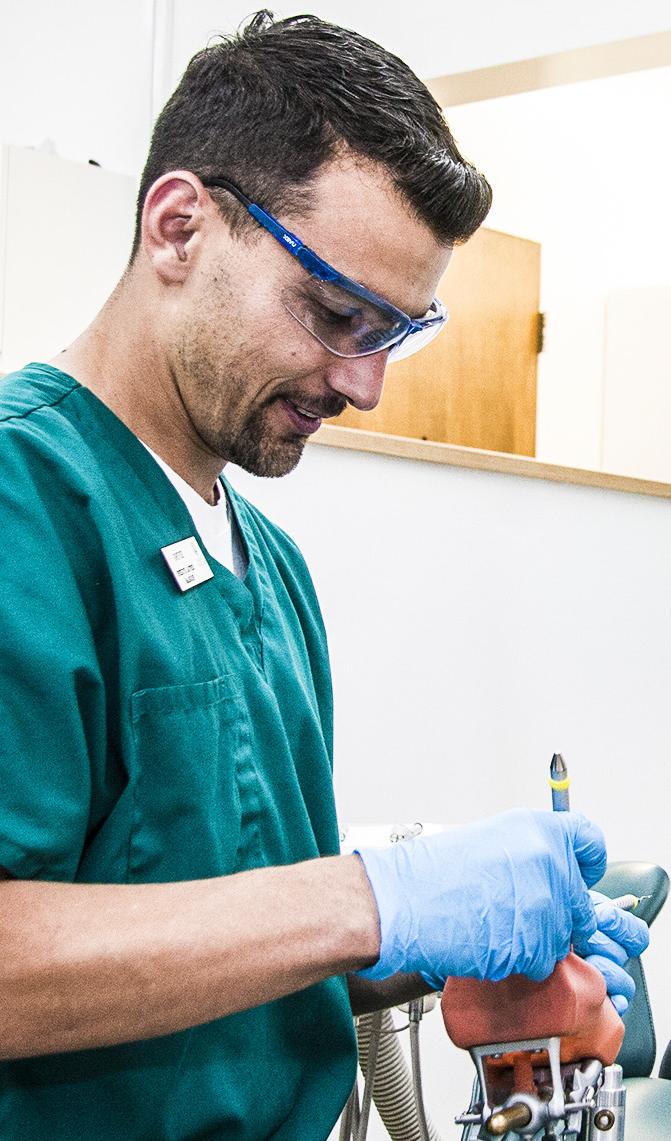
(275, 344)
(246, 328)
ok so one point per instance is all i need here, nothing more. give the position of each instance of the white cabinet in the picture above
(65, 237)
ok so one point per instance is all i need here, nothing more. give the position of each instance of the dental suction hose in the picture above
(393, 1091)
(371, 1067)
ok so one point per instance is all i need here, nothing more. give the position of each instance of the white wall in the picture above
(47, 299)
(450, 36)
(79, 74)
(478, 623)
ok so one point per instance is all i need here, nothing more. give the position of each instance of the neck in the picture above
(121, 359)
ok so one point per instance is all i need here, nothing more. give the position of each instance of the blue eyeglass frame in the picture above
(322, 271)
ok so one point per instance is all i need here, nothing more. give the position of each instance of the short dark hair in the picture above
(268, 106)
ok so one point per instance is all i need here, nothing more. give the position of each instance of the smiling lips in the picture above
(304, 421)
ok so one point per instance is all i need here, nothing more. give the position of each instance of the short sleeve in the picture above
(52, 693)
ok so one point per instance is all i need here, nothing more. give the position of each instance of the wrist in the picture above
(365, 908)
(377, 865)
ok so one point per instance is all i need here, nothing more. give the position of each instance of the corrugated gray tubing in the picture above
(392, 1089)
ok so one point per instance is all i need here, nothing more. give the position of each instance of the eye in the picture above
(332, 306)
(337, 317)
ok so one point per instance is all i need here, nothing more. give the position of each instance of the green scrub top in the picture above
(149, 735)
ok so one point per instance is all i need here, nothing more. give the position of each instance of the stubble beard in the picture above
(256, 450)
(253, 445)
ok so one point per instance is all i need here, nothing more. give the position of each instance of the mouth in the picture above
(302, 419)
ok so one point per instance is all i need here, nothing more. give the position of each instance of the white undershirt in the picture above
(213, 522)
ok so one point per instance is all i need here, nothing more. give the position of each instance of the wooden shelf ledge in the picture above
(403, 447)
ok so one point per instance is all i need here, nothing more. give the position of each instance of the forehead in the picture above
(363, 227)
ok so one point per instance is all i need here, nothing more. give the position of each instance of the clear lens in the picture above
(416, 341)
(345, 323)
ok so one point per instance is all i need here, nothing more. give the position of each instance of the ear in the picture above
(172, 219)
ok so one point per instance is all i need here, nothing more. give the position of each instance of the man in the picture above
(176, 921)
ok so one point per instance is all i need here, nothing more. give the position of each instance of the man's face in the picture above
(253, 383)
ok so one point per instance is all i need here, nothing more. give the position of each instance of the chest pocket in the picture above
(190, 743)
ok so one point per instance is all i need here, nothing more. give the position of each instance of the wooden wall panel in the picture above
(475, 385)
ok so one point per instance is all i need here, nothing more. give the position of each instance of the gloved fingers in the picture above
(600, 944)
(589, 845)
(622, 926)
(540, 969)
(620, 1003)
(598, 897)
(586, 856)
(583, 917)
(548, 940)
(617, 979)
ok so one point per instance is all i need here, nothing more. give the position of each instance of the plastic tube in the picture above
(393, 1091)
(417, 1082)
(371, 1067)
(346, 1118)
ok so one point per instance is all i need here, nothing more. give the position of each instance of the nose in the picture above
(359, 379)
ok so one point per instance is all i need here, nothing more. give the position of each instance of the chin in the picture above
(266, 459)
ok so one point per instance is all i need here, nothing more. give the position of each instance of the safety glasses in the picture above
(345, 317)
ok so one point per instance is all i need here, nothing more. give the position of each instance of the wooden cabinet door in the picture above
(475, 385)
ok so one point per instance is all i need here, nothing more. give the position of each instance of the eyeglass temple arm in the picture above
(308, 259)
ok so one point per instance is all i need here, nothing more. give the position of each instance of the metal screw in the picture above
(604, 1120)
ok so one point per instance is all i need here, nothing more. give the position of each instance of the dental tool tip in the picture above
(558, 768)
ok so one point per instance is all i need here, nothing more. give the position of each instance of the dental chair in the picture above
(648, 1115)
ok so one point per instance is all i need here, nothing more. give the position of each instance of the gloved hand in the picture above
(504, 896)
(620, 936)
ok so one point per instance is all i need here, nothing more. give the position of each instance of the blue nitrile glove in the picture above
(504, 896)
(620, 936)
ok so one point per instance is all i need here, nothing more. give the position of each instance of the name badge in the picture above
(187, 563)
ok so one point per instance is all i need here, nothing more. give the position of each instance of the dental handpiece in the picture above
(559, 783)
(626, 902)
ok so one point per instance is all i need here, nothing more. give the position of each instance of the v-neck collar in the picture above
(115, 437)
